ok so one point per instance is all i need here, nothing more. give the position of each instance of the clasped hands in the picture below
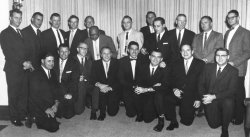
(208, 98)
(103, 87)
(51, 112)
(28, 65)
(139, 90)
(178, 93)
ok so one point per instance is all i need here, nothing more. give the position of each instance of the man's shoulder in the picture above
(190, 32)
(144, 28)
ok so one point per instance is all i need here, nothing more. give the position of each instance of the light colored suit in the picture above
(239, 49)
(104, 41)
(134, 35)
(214, 41)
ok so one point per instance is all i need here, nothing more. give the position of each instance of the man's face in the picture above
(48, 62)
(55, 22)
(133, 51)
(232, 19)
(155, 58)
(159, 28)
(206, 24)
(150, 19)
(16, 19)
(127, 24)
(181, 22)
(37, 21)
(82, 49)
(106, 55)
(73, 23)
(94, 34)
(221, 58)
(63, 53)
(186, 52)
(89, 22)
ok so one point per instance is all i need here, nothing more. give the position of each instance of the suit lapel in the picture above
(235, 36)
(223, 73)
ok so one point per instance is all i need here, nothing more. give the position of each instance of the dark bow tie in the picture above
(131, 59)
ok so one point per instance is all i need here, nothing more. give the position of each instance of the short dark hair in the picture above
(73, 16)
(191, 47)
(103, 48)
(93, 27)
(63, 46)
(162, 20)
(15, 11)
(150, 12)
(235, 12)
(222, 49)
(54, 15)
(46, 54)
(179, 15)
(156, 50)
(89, 17)
(133, 43)
(127, 17)
(207, 17)
(37, 13)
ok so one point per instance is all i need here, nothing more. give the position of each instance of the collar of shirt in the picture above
(189, 61)
(14, 27)
(161, 34)
(104, 63)
(177, 32)
(46, 71)
(151, 29)
(208, 33)
(129, 31)
(80, 58)
(64, 62)
(54, 29)
(151, 67)
(236, 27)
(73, 30)
(221, 67)
(34, 28)
(96, 41)
(133, 59)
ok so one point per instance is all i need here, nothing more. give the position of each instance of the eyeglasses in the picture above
(221, 56)
(231, 18)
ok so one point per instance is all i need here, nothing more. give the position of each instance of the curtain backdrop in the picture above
(108, 13)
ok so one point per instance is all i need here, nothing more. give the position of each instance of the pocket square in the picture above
(164, 43)
(68, 71)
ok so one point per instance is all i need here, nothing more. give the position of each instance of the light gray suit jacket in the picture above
(214, 41)
(239, 49)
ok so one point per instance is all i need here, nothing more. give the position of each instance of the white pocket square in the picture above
(68, 71)
(165, 43)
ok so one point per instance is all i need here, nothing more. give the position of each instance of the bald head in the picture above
(94, 32)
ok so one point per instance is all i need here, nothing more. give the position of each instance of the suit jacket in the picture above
(223, 86)
(98, 73)
(104, 41)
(214, 41)
(86, 35)
(134, 35)
(78, 37)
(187, 82)
(49, 43)
(147, 35)
(14, 50)
(33, 43)
(43, 91)
(125, 72)
(187, 38)
(147, 81)
(70, 77)
(239, 49)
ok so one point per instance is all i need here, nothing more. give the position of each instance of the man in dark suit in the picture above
(150, 88)
(89, 22)
(179, 36)
(217, 87)
(238, 43)
(44, 95)
(53, 37)
(97, 41)
(67, 72)
(74, 36)
(16, 64)
(32, 39)
(128, 74)
(104, 76)
(84, 82)
(184, 75)
(207, 42)
(160, 41)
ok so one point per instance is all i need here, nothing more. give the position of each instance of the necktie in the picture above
(58, 35)
(38, 32)
(82, 62)
(107, 68)
(218, 72)
(152, 73)
(19, 33)
(125, 50)
(205, 40)
(49, 75)
(132, 59)
(71, 36)
(61, 70)
(159, 37)
(186, 66)
(179, 38)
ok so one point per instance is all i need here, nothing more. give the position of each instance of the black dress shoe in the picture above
(17, 123)
(28, 122)
(93, 116)
(160, 125)
(236, 122)
(224, 134)
(139, 118)
(200, 114)
(172, 126)
(101, 117)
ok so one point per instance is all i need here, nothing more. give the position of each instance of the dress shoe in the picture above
(101, 117)
(236, 122)
(224, 134)
(28, 122)
(139, 118)
(160, 125)
(17, 123)
(200, 114)
(93, 116)
(121, 104)
(172, 126)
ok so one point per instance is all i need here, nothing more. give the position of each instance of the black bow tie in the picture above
(131, 59)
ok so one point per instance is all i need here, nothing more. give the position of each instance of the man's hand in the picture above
(231, 63)
(50, 112)
(157, 85)
(100, 85)
(177, 93)
(28, 65)
(205, 60)
(106, 89)
(144, 51)
(139, 90)
(55, 106)
(68, 96)
(162, 64)
(208, 99)
(197, 103)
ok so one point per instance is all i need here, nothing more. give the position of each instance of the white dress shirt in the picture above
(161, 34)
(46, 71)
(188, 63)
(57, 39)
(208, 33)
(151, 68)
(230, 35)
(177, 33)
(106, 66)
(133, 63)
(96, 49)
(71, 36)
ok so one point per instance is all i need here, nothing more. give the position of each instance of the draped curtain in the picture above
(108, 13)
